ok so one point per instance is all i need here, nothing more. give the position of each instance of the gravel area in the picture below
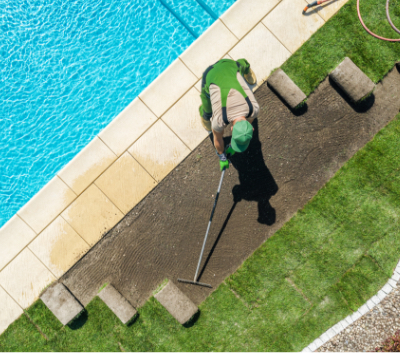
(370, 330)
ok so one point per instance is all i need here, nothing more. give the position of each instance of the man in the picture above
(227, 99)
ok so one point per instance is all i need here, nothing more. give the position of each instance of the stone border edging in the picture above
(364, 309)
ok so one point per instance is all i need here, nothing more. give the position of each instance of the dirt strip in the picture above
(290, 158)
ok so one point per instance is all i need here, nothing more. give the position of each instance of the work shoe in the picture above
(206, 124)
(250, 77)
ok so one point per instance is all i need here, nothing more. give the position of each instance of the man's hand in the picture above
(229, 151)
(223, 161)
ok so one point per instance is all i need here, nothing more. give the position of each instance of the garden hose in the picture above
(315, 3)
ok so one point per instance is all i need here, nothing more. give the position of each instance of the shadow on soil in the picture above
(256, 184)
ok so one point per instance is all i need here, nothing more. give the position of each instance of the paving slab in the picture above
(118, 304)
(286, 88)
(167, 88)
(87, 165)
(263, 51)
(211, 46)
(126, 183)
(290, 26)
(177, 303)
(61, 303)
(243, 15)
(14, 236)
(184, 119)
(161, 236)
(24, 278)
(47, 204)
(349, 77)
(159, 150)
(328, 9)
(92, 214)
(9, 310)
(59, 247)
(127, 127)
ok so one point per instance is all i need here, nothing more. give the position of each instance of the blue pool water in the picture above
(68, 67)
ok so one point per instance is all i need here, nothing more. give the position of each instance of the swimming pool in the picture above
(69, 67)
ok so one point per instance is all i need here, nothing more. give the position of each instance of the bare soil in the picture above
(291, 156)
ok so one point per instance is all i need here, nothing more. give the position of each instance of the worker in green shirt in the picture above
(227, 99)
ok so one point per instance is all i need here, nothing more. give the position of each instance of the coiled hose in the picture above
(315, 3)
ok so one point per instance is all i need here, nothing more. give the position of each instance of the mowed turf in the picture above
(319, 267)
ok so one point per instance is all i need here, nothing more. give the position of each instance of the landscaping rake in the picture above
(205, 240)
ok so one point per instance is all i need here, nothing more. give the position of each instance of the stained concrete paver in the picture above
(59, 247)
(126, 183)
(159, 151)
(92, 215)
(87, 165)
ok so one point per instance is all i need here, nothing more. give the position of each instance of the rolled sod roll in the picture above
(177, 303)
(354, 83)
(291, 94)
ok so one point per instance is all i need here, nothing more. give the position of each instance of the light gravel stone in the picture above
(387, 288)
(370, 331)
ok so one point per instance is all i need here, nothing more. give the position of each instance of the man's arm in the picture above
(219, 141)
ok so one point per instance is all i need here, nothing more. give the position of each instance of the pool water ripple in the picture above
(68, 68)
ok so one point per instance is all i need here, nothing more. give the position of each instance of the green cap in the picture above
(241, 135)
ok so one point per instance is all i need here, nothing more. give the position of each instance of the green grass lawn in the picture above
(319, 267)
(323, 264)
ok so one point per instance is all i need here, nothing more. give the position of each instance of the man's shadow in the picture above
(256, 184)
(256, 181)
